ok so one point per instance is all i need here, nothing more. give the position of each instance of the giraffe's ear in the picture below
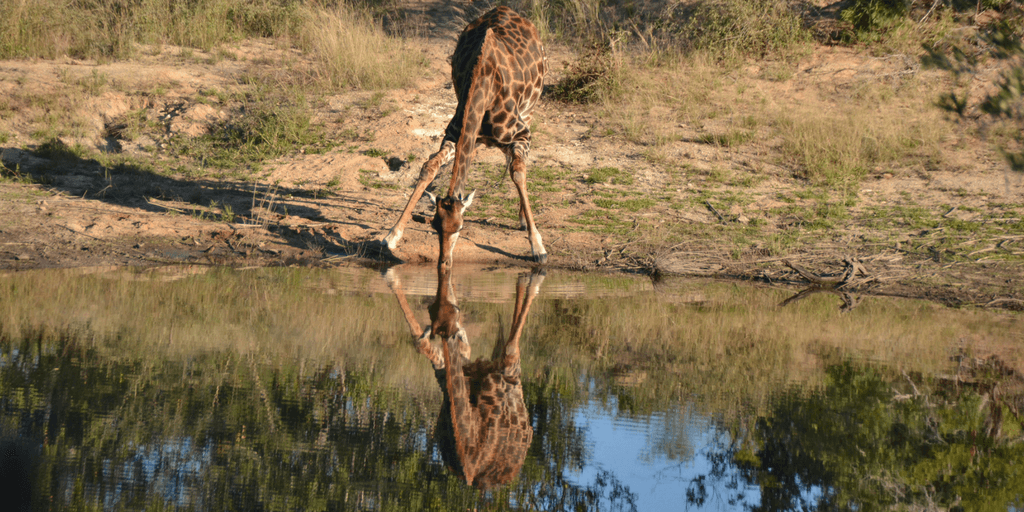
(432, 197)
(467, 201)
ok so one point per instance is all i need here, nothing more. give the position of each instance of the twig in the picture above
(998, 302)
(934, 5)
(715, 211)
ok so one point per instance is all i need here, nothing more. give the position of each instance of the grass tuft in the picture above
(352, 50)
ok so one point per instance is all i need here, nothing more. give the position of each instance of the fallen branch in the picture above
(852, 269)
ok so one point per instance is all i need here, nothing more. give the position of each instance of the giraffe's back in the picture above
(515, 57)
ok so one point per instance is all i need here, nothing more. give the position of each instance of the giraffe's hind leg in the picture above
(427, 174)
(517, 169)
(522, 212)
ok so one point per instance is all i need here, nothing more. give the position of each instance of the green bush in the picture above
(591, 77)
(869, 15)
(999, 46)
(757, 28)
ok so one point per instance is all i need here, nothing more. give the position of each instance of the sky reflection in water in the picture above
(302, 389)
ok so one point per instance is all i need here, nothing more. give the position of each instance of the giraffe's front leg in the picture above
(427, 174)
(518, 171)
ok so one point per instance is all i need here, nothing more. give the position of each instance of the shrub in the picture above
(1000, 46)
(869, 15)
(594, 76)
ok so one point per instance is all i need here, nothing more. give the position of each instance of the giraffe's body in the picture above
(483, 427)
(498, 74)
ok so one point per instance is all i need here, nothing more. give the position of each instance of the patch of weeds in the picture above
(276, 121)
(777, 72)
(56, 149)
(718, 175)
(9, 175)
(134, 124)
(609, 174)
(221, 97)
(728, 139)
(222, 53)
(750, 180)
(599, 221)
(376, 103)
(781, 242)
(633, 205)
(546, 179)
(375, 153)
(831, 211)
(95, 83)
(368, 179)
(810, 193)
(4, 137)
(227, 213)
(655, 156)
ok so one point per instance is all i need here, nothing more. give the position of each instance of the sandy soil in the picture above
(324, 209)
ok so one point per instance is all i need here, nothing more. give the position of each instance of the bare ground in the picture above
(323, 209)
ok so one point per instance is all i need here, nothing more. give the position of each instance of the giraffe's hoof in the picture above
(541, 258)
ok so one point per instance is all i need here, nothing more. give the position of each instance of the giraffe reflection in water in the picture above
(483, 429)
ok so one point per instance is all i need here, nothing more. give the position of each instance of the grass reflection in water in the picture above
(198, 388)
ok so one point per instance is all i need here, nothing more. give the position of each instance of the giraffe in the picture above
(498, 74)
(483, 427)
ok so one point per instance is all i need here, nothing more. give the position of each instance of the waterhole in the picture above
(203, 388)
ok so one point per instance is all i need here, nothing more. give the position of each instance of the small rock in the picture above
(23, 257)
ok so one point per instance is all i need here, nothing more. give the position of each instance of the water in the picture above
(196, 388)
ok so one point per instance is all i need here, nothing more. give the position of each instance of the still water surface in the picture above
(194, 388)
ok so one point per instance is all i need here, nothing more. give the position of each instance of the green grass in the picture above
(728, 139)
(632, 205)
(276, 121)
(613, 175)
(603, 222)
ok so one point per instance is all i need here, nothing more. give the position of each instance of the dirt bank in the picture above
(68, 209)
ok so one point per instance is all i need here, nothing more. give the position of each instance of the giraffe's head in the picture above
(448, 223)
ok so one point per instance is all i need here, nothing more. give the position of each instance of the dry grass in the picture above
(351, 50)
(834, 139)
(350, 46)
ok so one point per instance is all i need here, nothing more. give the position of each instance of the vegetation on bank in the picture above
(348, 45)
(653, 76)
